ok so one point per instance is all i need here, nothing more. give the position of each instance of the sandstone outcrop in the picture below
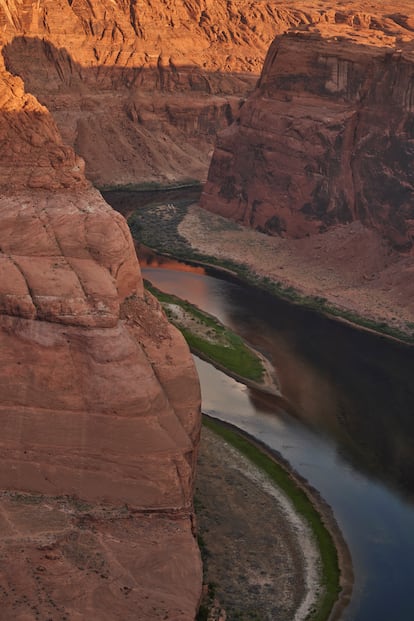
(62, 559)
(140, 89)
(99, 395)
(326, 137)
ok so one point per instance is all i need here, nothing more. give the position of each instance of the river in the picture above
(348, 426)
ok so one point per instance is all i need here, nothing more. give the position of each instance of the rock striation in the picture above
(140, 89)
(76, 335)
(326, 137)
(99, 395)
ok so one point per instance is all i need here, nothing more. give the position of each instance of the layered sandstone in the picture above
(99, 395)
(140, 89)
(326, 138)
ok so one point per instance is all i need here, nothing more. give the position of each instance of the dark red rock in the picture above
(326, 138)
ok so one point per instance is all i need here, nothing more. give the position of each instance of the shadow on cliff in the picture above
(130, 123)
(46, 69)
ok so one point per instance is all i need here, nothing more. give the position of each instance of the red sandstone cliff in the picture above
(140, 89)
(99, 398)
(326, 137)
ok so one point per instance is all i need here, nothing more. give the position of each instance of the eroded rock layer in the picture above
(140, 89)
(326, 138)
(99, 398)
(62, 559)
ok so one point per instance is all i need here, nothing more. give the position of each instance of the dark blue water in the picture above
(348, 426)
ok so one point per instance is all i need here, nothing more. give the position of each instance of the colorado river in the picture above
(348, 427)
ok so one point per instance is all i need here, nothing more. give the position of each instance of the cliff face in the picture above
(99, 395)
(326, 137)
(77, 333)
(140, 89)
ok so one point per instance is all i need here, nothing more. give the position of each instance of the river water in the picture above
(348, 426)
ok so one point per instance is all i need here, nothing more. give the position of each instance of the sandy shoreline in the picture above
(295, 577)
(208, 234)
(351, 267)
(253, 569)
(182, 319)
(328, 518)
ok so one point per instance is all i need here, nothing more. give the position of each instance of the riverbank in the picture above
(371, 287)
(269, 573)
(349, 273)
(209, 339)
(152, 186)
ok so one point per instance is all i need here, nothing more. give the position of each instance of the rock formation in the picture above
(99, 395)
(326, 137)
(100, 401)
(140, 89)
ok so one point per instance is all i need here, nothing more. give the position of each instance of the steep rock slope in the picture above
(140, 89)
(326, 138)
(99, 395)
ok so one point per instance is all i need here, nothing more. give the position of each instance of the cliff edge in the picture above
(100, 401)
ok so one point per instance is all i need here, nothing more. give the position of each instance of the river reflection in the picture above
(349, 384)
(348, 428)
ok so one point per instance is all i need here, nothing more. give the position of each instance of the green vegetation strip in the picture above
(210, 339)
(158, 229)
(304, 507)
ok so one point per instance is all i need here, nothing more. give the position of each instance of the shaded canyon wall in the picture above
(81, 371)
(99, 397)
(326, 138)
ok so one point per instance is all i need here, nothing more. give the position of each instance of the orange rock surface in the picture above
(140, 89)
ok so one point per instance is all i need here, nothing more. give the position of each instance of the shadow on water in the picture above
(354, 386)
(345, 422)
(349, 384)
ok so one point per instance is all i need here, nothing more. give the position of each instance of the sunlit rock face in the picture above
(140, 89)
(326, 137)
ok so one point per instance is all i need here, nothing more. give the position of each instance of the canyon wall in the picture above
(140, 89)
(86, 375)
(99, 396)
(327, 136)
